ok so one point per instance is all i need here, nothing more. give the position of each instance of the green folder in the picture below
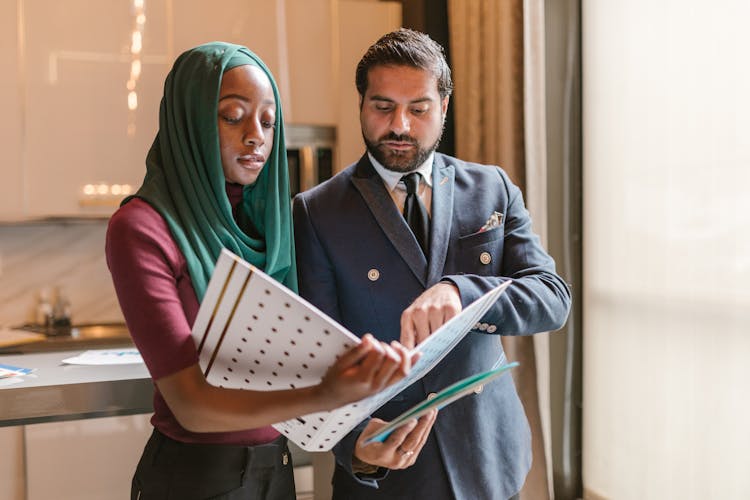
(440, 400)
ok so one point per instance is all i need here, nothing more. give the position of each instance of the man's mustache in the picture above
(398, 138)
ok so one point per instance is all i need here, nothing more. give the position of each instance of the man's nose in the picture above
(400, 123)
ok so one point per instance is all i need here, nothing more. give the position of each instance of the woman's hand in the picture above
(364, 370)
(360, 372)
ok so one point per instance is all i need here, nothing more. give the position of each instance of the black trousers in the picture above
(171, 470)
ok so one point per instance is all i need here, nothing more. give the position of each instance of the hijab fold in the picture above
(185, 181)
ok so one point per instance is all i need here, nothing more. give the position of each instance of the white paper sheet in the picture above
(106, 357)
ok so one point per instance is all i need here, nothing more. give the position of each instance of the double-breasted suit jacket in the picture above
(359, 263)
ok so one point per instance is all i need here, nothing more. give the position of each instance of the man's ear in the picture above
(444, 104)
(361, 100)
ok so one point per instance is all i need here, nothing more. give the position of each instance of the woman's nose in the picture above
(254, 135)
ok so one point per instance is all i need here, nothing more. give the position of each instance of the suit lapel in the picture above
(371, 187)
(443, 177)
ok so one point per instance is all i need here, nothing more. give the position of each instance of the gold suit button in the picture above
(373, 274)
(431, 395)
(491, 329)
(483, 326)
(479, 389)
(485, 258)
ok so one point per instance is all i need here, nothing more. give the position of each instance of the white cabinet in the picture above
(84, 459)
(325, 40)
(79, 128)
(71, 129)
(362, 24)
(75, 141)
(312, 53)
(256, 24)
(12, 473)
(11, 170)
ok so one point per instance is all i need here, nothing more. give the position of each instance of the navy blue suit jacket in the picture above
(349, 226)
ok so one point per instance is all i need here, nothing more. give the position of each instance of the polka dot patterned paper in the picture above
(253, 333)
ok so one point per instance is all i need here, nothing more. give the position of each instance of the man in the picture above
(360, 262)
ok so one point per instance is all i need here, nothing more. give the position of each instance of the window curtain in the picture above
(497, 49)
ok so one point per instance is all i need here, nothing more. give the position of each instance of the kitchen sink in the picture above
(75, 337)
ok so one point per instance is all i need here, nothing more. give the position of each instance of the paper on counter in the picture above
(4, 382)
(7, 371)
(106, 357)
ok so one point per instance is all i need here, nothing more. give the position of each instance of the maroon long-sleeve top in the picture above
(159, 304)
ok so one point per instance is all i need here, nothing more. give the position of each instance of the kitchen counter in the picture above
(93, 336)
(56, 391)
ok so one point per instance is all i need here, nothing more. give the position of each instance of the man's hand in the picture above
(401, 449)
(429, 312)
(364, 370)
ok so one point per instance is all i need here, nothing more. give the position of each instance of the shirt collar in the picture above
(391, 178)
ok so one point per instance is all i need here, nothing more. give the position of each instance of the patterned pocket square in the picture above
(494, 221)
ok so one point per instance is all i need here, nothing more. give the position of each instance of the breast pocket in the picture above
(481, 253)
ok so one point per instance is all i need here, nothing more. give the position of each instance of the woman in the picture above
(217, 178)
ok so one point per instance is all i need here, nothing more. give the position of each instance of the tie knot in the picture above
(411, 181)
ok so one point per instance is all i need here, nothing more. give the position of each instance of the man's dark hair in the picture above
(405, 47)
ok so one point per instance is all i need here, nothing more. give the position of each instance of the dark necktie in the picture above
(415, 213)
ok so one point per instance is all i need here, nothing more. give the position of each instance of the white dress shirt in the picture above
(396, 187)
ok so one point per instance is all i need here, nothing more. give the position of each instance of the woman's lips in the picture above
(252, 161)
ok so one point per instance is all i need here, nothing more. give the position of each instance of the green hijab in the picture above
(185, 181)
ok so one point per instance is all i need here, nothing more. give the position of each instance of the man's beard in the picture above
(400, 161)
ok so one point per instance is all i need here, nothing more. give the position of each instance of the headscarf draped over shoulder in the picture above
(185, 181)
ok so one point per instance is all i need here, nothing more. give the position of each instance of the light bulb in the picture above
(132, 100)
(137, 43)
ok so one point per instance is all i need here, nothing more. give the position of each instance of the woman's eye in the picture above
(268, 124)
(231, 119)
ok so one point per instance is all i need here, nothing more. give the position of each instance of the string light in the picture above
(137, 43)
(135, 69)
(136, 47)
(132, 101)
(102, 194)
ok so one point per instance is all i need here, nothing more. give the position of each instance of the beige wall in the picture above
(666, 117)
